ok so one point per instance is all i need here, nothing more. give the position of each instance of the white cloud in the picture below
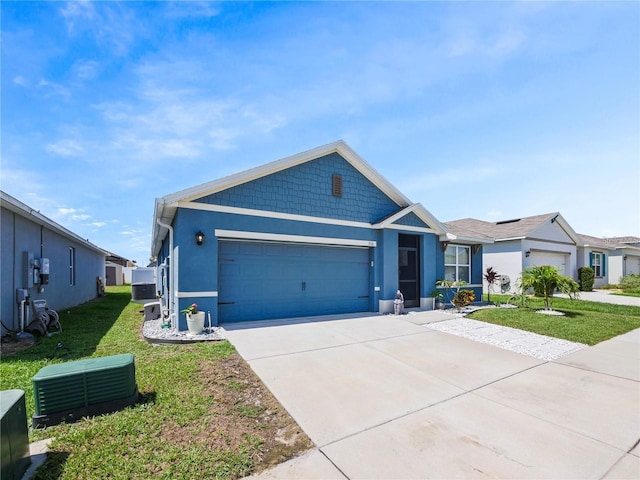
(86, 69)
(66, 148)
(77, 12)
(130, 183)
(51, 89)
(110, 23)
(186, 9)
(19, 80)
(63, 214)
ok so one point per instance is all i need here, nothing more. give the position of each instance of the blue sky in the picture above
(490, 110)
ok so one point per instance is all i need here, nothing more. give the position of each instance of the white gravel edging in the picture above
(153, 332)
(519, 341)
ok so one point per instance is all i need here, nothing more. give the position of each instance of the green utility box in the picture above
(66, 392)
(15, 436)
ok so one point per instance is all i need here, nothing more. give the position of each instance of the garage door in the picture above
(557, 260)
(261, 280)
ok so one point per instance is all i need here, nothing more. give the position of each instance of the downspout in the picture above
(172, 314)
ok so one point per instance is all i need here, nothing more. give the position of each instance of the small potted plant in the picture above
(438, 303)
(195, 319)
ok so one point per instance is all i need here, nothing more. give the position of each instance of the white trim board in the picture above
(277, 237)
(298, 218)
(195, 294)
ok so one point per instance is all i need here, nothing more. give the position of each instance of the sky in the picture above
(493, 110)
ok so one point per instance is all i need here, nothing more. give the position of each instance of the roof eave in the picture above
(451, 237)
(13, 204)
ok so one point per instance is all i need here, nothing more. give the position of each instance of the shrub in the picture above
(545, 280)
(630, 281)
(462, 298)
(586, 277)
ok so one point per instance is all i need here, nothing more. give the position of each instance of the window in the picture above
(457, 263)
(597, 263)
(72, 266)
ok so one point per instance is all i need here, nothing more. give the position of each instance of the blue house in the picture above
(320, 232)
(42, 260)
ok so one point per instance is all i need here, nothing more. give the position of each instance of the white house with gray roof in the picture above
(520, 243)
(548, 239)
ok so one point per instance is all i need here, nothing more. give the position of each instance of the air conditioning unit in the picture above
(66, 392)
(15, 436)
(143, 285)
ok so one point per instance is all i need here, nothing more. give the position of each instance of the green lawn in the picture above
(187, 424)
(584, 322)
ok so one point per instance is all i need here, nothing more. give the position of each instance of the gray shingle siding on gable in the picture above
(306, 190)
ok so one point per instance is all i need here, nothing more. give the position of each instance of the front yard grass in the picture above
(584, 322)
(202, 412)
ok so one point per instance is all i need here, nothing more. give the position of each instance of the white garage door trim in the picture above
(277, 237)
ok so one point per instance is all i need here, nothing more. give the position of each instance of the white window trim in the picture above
(598, 256)
(457, 264)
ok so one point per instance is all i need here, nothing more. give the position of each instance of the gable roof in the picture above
(591, 241)
(166, 207)
(517, 228)
(621, 241)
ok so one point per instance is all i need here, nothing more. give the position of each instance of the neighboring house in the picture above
(320, 232)
(596, 253)
(624, 259)
(27, 237)
(524, 242)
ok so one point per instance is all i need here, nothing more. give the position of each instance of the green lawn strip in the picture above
(137, 442)
(635, 292)
(584, 322)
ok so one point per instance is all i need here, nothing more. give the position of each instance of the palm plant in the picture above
(545, 280)
(491, 277)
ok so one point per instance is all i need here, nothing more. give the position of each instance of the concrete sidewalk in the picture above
(606, 296)
(383, 397)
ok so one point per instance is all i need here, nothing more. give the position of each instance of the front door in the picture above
(409, 269)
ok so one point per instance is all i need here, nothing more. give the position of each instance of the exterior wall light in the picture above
(199, 238)
(527, 253)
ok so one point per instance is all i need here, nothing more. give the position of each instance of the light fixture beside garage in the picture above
(199, 237)
(527, 253)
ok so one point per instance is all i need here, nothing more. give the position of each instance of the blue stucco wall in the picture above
(19, 235)
(198, 265)
(306, 190)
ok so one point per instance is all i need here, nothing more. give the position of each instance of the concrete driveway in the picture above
(383, 397)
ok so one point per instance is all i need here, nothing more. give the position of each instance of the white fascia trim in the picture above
(450, 237)
(396, 216)
(277, 237)
(410, 228)
(295, 217)
(269, 214)
(509, 238)
(196, 294)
